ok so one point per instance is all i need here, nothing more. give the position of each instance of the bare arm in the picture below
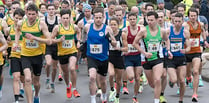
(55, 33)
(84, 32)
(78, 31)
(165, 35)
(109, 33)
(18, 32)
(4, 26)
(140, 35)
(203, 31)
(187, 41)
(3, 41)
(124, 42)
(46, 33)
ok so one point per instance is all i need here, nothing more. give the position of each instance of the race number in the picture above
(96, 48)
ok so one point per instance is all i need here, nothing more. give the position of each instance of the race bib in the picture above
(67, 44)
(96, 48)
(131, 49)
(196, 42)
(153, 47)
(117, 46)
(31, 43)
(176, 47)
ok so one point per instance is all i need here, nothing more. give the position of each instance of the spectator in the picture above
(204, 9)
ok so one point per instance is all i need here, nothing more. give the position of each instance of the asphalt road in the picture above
(82, 84)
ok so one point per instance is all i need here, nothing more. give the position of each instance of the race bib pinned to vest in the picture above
(31, 43)
(67, 44)
(96, 48)
(131, 49)
(176, 47)
(153, 47)
(196, 42)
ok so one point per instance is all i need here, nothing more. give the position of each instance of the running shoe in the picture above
(52, 88)
(125, 90)
(141, 89)
(112, 96)
(10, 73)
(135, 100)
(201, 82)
(60, 77)
(162, 99)
(117, 100)
(188, 80)
(121, 89)
(36, 100)
(171, 84)
(194, 98)
(180, 101)
(6, 63)
(47, 83)
(104, 98)
(105, 101)
(144, 79)
(16, 102)
(69, 93)
(115, 85)
(99, 93)
(178, 92)
(191, 85)
(131, 81)
(21, 93)
(33, 87)
(76, 94)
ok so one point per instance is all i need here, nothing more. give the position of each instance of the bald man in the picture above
(140, 19)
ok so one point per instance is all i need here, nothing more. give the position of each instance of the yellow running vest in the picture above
(12, 36)
(43, 45)
(31, 47)
(9, 20)
(68, 46)
(1, 29)
(1, 57)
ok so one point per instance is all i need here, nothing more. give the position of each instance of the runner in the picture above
(88, 18)
(177, 66)
(161, 6)
(109, 12)
(163, 24)
(116, 60)
(9, 17)
(2, 48)
(140, 19)
(132, 57)
(10, 21)
(97, 52)
(67, 51)
(31, 53)
(152, 36)
(205, 22)
(51, 51)
(196, 29)
(16, 66)
(148, 7)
